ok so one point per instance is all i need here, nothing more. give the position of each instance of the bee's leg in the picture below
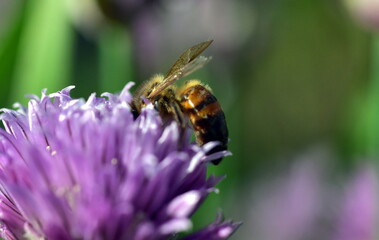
(178, 115)
(181, 119)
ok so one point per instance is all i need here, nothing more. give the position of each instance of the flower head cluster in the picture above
(75, 169)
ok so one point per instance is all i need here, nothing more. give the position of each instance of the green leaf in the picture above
(45, 50)
(9, 42)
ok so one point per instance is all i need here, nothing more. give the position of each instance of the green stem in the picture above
(115, 59)
(368, 125)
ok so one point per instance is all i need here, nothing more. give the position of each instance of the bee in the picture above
(193, 102)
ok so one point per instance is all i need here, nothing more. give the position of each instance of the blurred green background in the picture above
(289, 74)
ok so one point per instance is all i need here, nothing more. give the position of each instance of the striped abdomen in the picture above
(205, 114)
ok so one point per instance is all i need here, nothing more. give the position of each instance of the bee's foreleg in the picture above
(182, 121)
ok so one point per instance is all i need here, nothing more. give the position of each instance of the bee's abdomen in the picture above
(206, 116)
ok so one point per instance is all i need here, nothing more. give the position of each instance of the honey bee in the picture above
(193, 101)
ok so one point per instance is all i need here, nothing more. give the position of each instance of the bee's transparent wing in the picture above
(184, 71)
(188, 56)
(187, 63)
(194, 65)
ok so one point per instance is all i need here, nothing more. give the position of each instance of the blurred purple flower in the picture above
(307, 203)
(183, 23)
(75, 169)
(288, 209)
(358, 219)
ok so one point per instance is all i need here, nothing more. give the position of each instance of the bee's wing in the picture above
(188, 56)
(187, 63)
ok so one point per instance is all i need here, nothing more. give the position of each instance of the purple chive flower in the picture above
(75, 169)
